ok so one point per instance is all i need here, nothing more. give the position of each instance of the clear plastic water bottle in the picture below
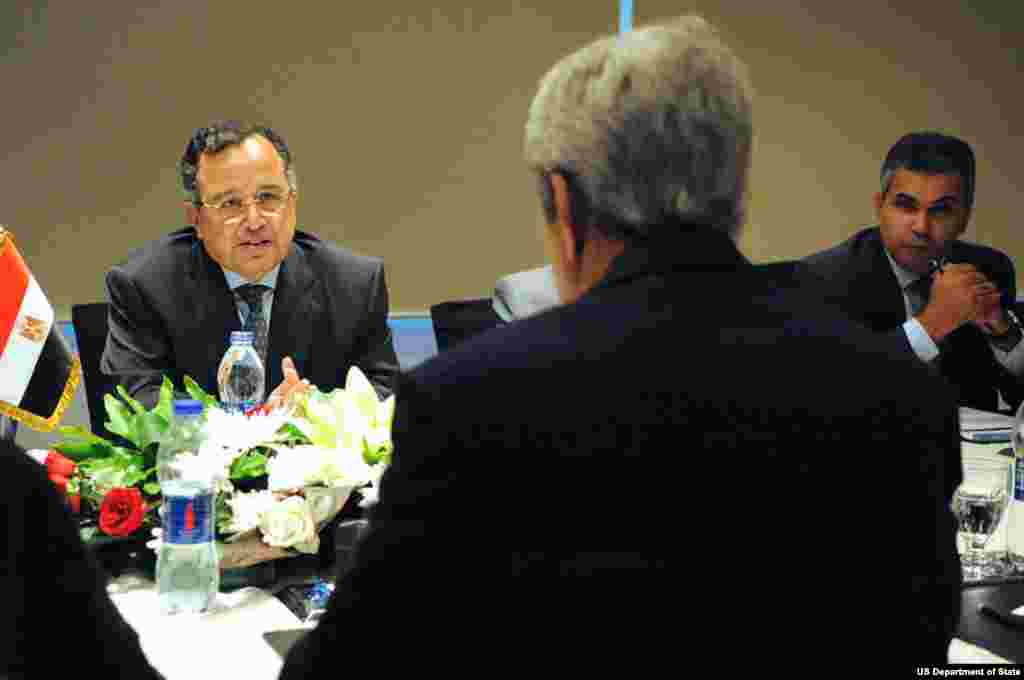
(241, 378)
(187, 569)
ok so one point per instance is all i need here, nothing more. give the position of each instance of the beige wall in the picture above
(406, 120)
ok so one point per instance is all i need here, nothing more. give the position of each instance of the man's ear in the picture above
(963, 225)
(879, 200)
(568, 233)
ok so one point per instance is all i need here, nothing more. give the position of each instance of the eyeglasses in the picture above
(269, 203)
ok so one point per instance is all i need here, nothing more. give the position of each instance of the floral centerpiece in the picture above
(281, 475)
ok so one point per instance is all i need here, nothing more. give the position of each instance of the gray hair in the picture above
(651, 126)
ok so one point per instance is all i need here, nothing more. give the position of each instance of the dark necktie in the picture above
(918, 292)
(256, 320)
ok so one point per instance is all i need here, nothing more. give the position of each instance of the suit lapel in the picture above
(291, 319)
(212, 307)
(876, 284)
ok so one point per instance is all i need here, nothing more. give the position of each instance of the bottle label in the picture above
(188, 520)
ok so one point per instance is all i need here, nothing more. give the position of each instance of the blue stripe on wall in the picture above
(413, 336)
(625, 15)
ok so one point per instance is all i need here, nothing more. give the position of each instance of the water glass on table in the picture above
(979, 504)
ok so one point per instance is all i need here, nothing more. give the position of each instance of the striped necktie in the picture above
(256, 321)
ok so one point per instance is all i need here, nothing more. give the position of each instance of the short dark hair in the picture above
(932, 153)
(219, 136)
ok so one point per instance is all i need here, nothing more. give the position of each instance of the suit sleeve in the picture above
(138, 350)
(56, 607)
(375, 350)
(809, 277)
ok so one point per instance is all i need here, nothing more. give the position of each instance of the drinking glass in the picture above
(979, 504)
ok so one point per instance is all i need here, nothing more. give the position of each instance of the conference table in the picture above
(981, 639)
(231, 640)
(226, 642)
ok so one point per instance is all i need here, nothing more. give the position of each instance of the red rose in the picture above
(122, 511)
(60, 481)
(58, 464)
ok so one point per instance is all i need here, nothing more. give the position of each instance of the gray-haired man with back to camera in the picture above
(675, 372)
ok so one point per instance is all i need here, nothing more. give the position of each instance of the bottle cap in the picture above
(188, 407)
(242, 337)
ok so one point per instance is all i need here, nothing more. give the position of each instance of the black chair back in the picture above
(8, 431)
(458, 320)
(90, 322)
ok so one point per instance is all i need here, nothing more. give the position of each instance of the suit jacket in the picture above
(42, 562)
(566, 487)
(857, 277)
(525, 293)
(171, 311)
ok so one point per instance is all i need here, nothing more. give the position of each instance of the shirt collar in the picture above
(235, 279)
(904, 276)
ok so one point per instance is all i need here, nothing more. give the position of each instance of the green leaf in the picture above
(127, 398)
(80, 444)
(122, 468)
(224, 514)
(197, 392)
(165, 404)
(150, 428)
(290, 434)
(151, 488)
(251, 464)
(120, 420)
(88, 533)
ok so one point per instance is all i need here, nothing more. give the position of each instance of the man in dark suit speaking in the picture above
(959, 318)
(677, 377)
(315, 308)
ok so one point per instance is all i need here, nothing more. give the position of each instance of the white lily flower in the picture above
(371, 492)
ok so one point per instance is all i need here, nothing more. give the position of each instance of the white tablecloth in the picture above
(226, 642)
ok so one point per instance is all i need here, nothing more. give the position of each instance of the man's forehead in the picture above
(926, 187)
(254, 161)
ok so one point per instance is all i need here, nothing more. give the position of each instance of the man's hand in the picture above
(290, 388)
(960, 294)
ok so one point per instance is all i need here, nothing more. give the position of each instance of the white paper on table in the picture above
(225, 642)
(973, 420)
(965, 652)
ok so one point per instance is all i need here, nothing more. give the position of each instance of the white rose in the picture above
(247, 509)
(289, 524)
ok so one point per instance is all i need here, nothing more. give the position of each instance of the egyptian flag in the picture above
(38, 372)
